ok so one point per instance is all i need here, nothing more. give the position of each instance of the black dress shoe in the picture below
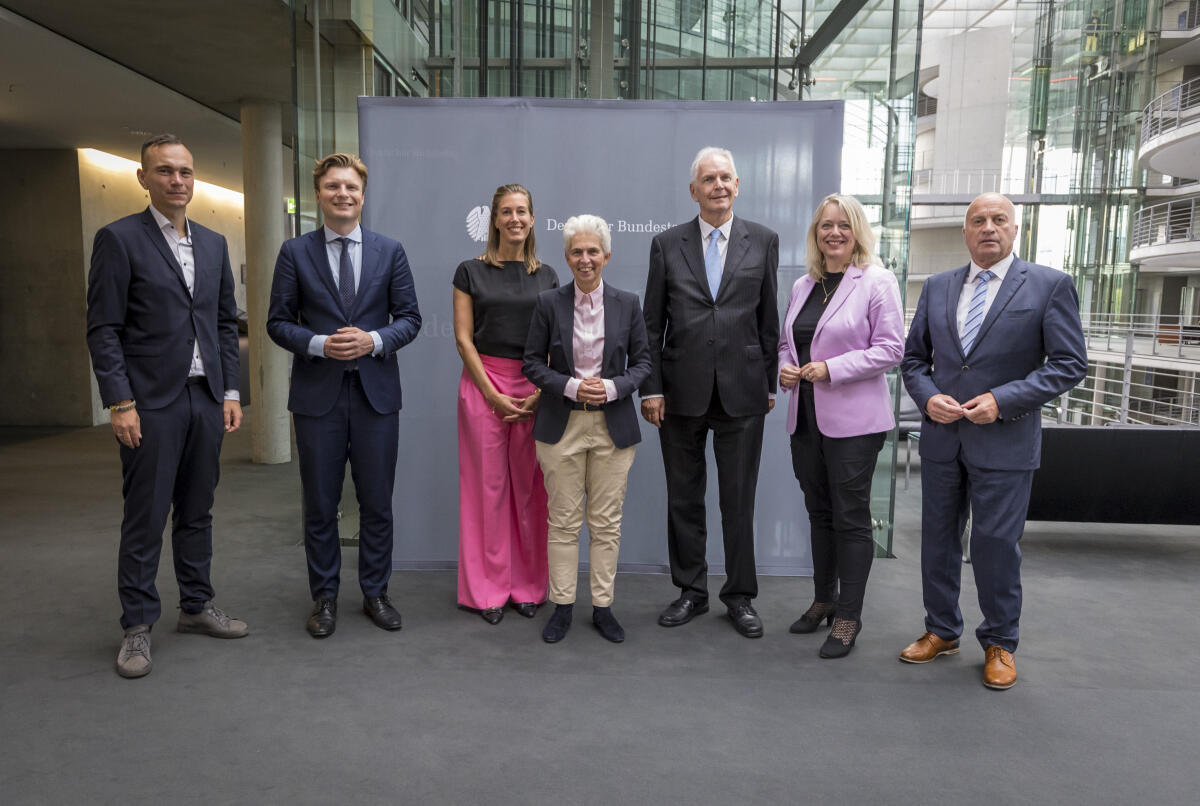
(323, 620)
(745, 619)
(526, 609)
(560, 621)
(380, 609)
(812, 618)
(492, 615)
(681, 611)
(607, 624)
(841, 638)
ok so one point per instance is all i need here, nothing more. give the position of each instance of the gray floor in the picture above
(450, 710)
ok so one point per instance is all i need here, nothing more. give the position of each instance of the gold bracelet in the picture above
(123, 407)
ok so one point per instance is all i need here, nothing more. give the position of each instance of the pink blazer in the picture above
(860, 337)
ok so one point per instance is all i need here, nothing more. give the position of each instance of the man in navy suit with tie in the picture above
(990, 343)
(343, 302)
(162, 332)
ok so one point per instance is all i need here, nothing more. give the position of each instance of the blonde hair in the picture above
(491, 255)
(860, 230)
(327, 164)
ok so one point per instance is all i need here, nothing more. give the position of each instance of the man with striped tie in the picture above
(990, 343)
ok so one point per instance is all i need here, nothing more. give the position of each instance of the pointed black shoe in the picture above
(526, 609)
(560, 621)
(492, 615)
(841, 638)
(604, 621)
(812, 618)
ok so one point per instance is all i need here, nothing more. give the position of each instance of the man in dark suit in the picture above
(343, 302)
(990, 343)
(587, 352)
(713, 326)
(162, 331)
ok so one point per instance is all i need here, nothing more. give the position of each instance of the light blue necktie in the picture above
(975, 311)
(712, 262)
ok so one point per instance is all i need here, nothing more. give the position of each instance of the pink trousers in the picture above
(501, 497)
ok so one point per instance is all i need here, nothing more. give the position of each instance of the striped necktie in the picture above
(975, 311)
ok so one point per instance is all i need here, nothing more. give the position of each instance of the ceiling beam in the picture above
(833, 25)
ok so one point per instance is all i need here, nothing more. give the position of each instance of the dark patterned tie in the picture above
(346, 276)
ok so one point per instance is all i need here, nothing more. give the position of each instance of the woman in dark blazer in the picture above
(843, 330)
(587, 351)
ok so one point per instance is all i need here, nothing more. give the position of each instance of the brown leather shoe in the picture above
(999, 668)
(928, 647)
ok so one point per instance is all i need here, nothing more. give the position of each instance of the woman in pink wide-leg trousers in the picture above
(501, 496)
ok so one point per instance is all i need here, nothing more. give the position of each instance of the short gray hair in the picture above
(587, 224)
(711, 151)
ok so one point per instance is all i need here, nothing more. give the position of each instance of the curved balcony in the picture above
(1170, 141)
(1167, 234)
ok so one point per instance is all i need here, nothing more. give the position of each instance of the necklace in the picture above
(827, 291)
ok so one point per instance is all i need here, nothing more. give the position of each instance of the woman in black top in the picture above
(501, 496)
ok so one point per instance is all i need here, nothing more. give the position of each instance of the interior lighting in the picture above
(111, 162)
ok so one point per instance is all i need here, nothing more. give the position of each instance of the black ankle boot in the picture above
(560, 621)
(812, 617)
(607, 624)
(841, 638)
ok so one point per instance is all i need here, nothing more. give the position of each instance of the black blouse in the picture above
(502, 298)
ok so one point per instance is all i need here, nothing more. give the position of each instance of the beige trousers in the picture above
(584, 464)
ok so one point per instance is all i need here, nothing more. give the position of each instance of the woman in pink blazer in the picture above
(844, 329)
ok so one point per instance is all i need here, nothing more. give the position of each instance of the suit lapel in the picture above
(693, 253)
(739, 243)
(953, 293)
(565, 303)
(369, 270)
(612, 316)
(847, 286)
(160, 243)
(320, 262)
(1012, 281)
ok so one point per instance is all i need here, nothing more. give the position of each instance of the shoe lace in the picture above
(843, 630)
(137, 644)
(218, 614)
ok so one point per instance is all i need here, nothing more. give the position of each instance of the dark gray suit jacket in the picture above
(697, 341)
(550, 361)
(1029, 350)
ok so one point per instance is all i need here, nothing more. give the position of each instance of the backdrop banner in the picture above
(434, 164)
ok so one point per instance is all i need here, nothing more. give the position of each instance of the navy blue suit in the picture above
(626, 361)
(1029, 350)
(142, 327)
(345, 410)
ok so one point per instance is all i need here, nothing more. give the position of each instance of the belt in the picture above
(196, 380)
(579, 405)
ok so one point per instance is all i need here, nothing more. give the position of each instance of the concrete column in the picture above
(262, 184)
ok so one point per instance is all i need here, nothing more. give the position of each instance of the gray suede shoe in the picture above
(134, 658)
(212, 621)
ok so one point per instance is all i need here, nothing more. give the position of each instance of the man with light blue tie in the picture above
(990, 343)
(713, 325)
(343, 302)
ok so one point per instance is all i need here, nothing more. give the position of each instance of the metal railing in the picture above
(959, 182)
(1156, 335)
(1174, 108)
(1170, 222)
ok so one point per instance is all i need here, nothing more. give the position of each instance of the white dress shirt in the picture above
(722, 242)
(333, 251)
(964, 299)
(181, 247)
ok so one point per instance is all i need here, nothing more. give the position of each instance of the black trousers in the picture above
(175, 470)
(737, 444)
(835, 474)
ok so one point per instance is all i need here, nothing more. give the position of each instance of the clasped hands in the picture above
(348, 343)
(514, 409)
(981, 409)
(813, 371)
